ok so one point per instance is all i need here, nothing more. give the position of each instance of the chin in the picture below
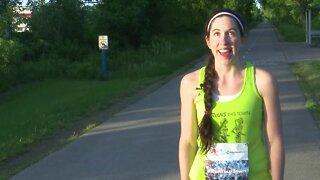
(226, 60)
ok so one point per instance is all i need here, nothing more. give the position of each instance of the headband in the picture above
(225, 13)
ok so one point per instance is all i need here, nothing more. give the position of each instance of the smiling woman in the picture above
(224, 106)
(225, 40)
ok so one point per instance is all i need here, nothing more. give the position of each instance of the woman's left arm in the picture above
(267, 86)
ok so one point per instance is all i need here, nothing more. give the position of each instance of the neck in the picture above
(228, 70)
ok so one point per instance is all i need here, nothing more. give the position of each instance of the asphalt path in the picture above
(141, 141)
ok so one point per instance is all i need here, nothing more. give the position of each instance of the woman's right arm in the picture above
(188, 132)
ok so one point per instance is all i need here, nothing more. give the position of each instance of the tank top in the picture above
(239, 120)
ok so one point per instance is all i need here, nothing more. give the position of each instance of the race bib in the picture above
(227, 161)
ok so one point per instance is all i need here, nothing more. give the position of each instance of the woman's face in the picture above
(224, 39)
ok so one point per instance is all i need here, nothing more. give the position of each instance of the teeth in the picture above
(224, 50)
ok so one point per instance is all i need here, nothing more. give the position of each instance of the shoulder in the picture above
(265, 81)
(263, 75)
(190, 80)
(189, 83)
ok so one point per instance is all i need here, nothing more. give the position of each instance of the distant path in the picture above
(141, 141)
(302, 137)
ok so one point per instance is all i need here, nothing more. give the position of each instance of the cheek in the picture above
(212, 43)
(237, 42)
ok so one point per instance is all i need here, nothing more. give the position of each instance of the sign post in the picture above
(103, 45)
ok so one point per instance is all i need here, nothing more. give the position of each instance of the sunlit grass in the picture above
(309, 79)
(34, 111)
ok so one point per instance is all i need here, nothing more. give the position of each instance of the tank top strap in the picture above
(201, 75)
(250, 77)
(249, 71)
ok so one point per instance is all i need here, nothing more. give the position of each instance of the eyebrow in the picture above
(235, 29)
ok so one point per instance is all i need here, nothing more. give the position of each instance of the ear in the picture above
(242, 41)
(207, 39)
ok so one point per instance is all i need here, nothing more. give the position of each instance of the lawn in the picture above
(308, 76)
(35, 111)
(307, 72)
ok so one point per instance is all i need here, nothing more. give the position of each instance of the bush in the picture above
(291, 32)
(9, 54)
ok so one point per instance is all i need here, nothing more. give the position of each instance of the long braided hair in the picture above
(206, 125)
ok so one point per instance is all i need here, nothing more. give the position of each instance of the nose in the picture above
(224, 38)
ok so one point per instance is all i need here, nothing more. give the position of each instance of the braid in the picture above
(206, 125)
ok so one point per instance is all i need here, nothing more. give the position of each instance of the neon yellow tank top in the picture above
(239, 120)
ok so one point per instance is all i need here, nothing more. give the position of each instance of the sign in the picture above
(103, 42)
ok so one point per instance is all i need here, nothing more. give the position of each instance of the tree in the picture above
(292, 11)
(58, 24)
(245, 8)
(125, 21)
(7, 14)
(8, 47)
(58, 21)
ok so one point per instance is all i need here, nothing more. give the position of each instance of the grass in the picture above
(309, 79)
(35, 111)
(291, 32)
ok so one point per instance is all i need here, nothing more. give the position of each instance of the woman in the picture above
(226, 108)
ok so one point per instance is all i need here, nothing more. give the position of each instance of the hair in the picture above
(206, 125)
(226, 12)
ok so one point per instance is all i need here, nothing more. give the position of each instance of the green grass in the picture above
(291, 33)
(309, 79)
(34, 111)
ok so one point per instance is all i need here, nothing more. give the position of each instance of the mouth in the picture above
(225, 52)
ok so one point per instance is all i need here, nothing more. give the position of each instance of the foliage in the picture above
(309, 80)
(290, 11)
(291, 32)
(50, 23)
(8, 53)
(245, 8)
(147, 40)
(34, 111)
(157, 59)
(7, 14)
(9, 56)
(123, 20)
(64, 34)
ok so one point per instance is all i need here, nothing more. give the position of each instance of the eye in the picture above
(232, 33)
(216, 34)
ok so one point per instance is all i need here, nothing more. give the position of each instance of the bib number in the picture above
(227, 161)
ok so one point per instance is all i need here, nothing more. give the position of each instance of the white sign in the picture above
(103, 42)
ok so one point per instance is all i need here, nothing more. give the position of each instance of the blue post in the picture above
(104, 63)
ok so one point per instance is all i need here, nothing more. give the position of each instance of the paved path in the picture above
(302, 137)
(141, 141)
